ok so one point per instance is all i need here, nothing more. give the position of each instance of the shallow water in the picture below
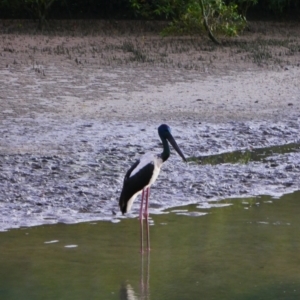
(245, 156)
(235, 249)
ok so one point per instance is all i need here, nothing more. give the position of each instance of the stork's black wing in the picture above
(131, 169)
(135, 183)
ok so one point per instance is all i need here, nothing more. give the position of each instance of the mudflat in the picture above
(126, 70)
(82, 100)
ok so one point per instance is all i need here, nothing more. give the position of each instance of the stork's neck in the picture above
(166, 153)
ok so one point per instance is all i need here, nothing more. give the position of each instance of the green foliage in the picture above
(187, 16)
(278, 6)
(164, 9)
(222, 16)
(223, 19)
(39, 9)
(244, 5)
(11, 5)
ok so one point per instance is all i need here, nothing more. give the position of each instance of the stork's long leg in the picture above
(146, 214)
(141, 208)
(146, 211)
(141, 222)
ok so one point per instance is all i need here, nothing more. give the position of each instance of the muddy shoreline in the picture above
(71, 127)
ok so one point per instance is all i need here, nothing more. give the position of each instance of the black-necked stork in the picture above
(143, 174)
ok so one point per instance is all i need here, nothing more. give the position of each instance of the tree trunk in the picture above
(210, 34)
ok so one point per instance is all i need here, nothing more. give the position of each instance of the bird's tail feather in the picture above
(123, 205)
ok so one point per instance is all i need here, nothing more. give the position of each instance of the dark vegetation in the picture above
(216, 17)
(128, 9)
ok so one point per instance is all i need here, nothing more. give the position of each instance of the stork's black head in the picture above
(164, 132)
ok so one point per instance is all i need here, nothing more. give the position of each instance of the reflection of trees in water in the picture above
(126, 290)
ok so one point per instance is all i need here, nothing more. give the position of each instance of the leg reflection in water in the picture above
(146, 216)
(145, 276)
(127, 292)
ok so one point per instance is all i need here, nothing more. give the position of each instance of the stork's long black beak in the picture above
(175, 146)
